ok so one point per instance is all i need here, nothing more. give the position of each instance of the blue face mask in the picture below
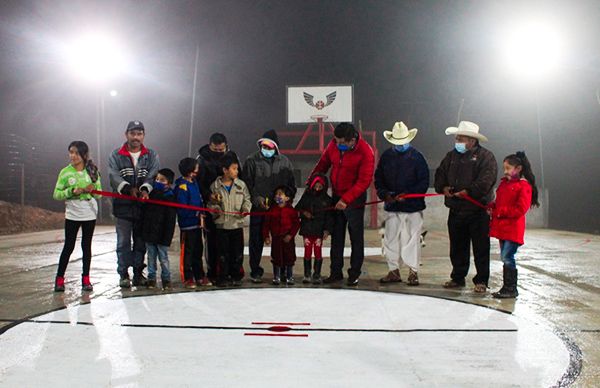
(460, 147)
(279, 200)
(343, 147)
(267, 153)
(159, 186)
(402, 148)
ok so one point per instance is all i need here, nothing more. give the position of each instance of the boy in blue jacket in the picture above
(191, 223)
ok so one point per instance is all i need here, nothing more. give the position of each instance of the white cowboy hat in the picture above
(466, 128)
(400, 134)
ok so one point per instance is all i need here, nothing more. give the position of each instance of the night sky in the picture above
(414, 61)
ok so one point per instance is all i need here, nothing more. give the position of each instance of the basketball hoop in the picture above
(318, 118)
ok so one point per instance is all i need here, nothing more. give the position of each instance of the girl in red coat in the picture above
(279, 228)
(516, 193)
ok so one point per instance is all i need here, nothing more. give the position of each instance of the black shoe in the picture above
(237, 283)
(332, 279)
(139, 281)
(352, 280)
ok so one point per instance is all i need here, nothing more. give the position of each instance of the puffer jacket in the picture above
(317, 204)
(402, 173)
(513, 200)
(236, 200)
(121, 173)
(351, 171)
(158, 224)
(280, 221)
(188, 193)
(262, 175)
(475, 171)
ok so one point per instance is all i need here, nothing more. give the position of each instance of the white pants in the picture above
(401, 242)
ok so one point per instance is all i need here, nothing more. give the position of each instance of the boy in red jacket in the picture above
(279, 229)
(516, 193)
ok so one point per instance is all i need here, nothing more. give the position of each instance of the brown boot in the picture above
(413, 278)
(391, 277)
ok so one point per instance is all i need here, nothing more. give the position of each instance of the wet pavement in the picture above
(559, 283)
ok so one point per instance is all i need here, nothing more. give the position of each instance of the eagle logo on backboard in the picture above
(309, 98)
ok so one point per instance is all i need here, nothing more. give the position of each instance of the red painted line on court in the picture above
(275, 335)
(283, 323)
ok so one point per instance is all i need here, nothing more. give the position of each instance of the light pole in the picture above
(532, 51)
(96, 59)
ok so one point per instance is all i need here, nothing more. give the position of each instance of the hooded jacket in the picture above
(351, 171)
(513, 200)
(402, 173)
(188, 193)
(475, 171)
(209, 167)
(317, 204)
(262, 175)
(158, 224)
(122, 173)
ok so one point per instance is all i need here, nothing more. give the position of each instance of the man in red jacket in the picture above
(352, 164)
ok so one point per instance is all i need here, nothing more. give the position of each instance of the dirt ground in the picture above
(15, 218)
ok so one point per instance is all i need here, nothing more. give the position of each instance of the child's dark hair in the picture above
(287, 190)
(227, 160)
(167, 173)
(520, 159)
(84, 151)
(187, 166)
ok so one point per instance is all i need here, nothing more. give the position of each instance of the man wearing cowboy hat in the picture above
(402, 169)
(467, 170)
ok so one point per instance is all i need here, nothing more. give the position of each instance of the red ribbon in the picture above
(206, 209)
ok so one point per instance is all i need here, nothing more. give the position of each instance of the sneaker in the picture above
(167, 285)
(256, 279)
(290, 281)
(333, 279)
(205, 282)
(59, 284)
(222, 283)
(139, 281)
(237, 283)
(86, 285)
(125, 282)
(151, 283)
(277, 281)
(352, 280)
(480, 288)
(391, 277)
(189, 284)
(413, 278)
(306, 280)
(316, 279)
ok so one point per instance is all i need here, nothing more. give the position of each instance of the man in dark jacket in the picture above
(131, 171)
(401, 170)
(159, 227)
(470, 170)
(209, 157)
(263, 171)
(352, 163)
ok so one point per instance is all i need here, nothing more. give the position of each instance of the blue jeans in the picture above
(507, 253)
(155, 250)
(126, 256)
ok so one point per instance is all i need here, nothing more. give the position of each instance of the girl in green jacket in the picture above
(74, 186)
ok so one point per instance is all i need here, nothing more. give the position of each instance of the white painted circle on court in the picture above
(222, 338)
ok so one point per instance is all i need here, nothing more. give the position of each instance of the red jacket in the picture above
(351, 172)
(513, 200)
(280, 221)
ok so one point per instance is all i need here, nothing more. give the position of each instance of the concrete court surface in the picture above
(553, 328)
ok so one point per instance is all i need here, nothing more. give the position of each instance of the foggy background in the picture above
(407, 60)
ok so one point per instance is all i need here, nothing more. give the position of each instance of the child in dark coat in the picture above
(316, 223)
(158, 227)
(279, 228)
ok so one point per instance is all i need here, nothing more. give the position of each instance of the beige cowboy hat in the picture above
(400, 134)
(466, 128)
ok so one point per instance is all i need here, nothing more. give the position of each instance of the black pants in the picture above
(352, 217)
(212, 250)
(255, 245)
(71, 230)
(231, 253)
(191, 246)
(464, 230)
